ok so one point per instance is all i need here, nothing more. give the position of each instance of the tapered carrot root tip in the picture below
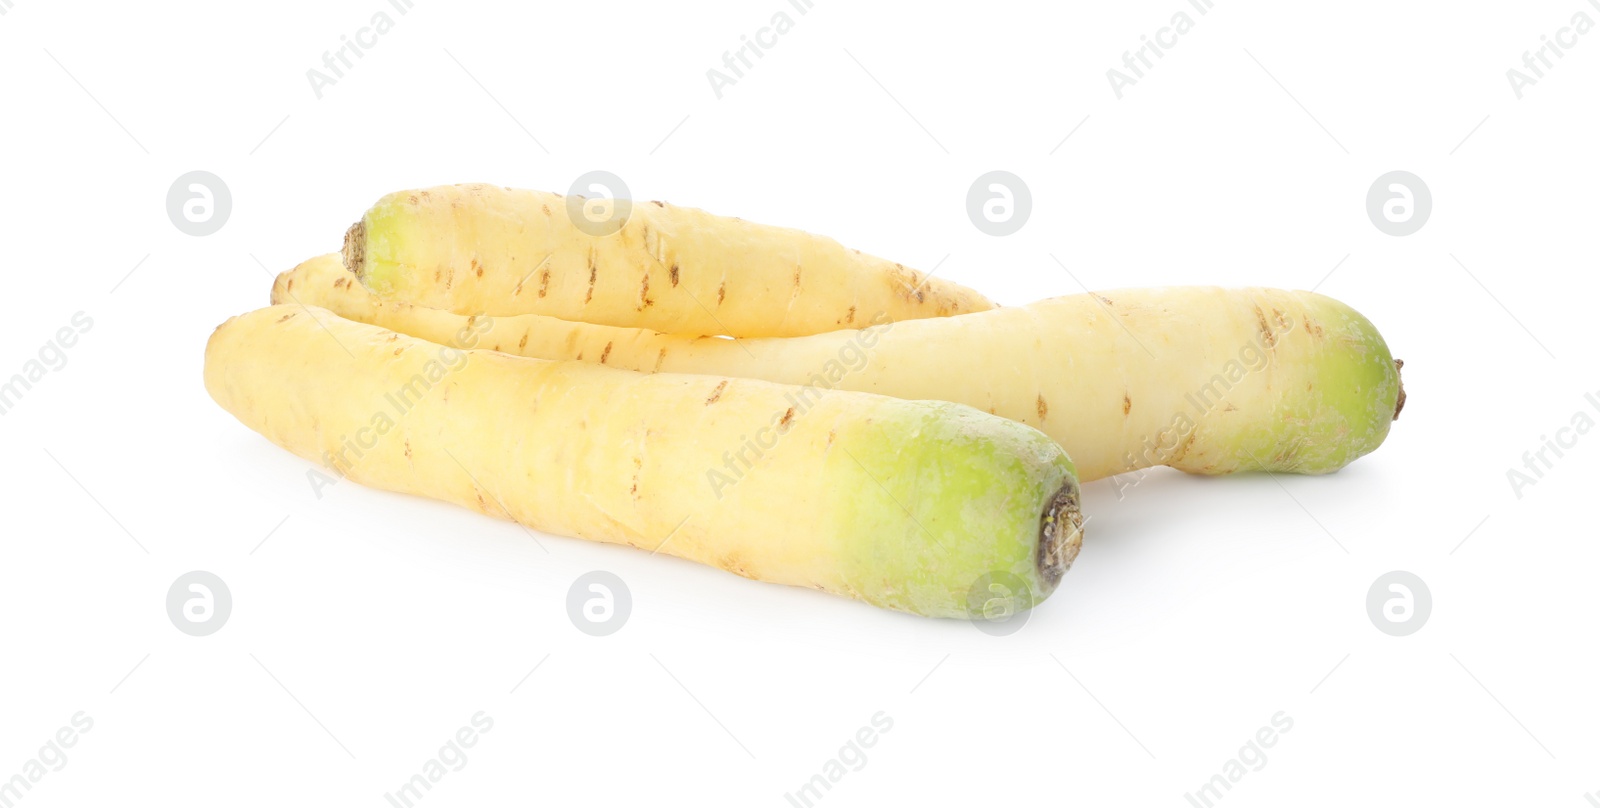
(1060, 535)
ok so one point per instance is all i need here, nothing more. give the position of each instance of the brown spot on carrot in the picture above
(399, 350)
(913, 285)
(674, 274)
(787, 419)
(482, 506)
(523, 343)
(659, 358)
(797, 275)
(290, 285)
(425, 195)
(644, 293)
(1184, 449)
(1103, 299)
(413, 199)
(831, 436)
(657, 204)
(1043, 408)
(722, 291)
(717, 393)
(546, 209)
(287, 316)
(544, 282)
(593, 271)
(392, 337)
(408, 448)
(1127, 404)
(605, 354)
(1280, 319)
(476, 268)
(1267, 337)
(850, 316)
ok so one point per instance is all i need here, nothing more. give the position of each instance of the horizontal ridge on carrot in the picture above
(906, 505)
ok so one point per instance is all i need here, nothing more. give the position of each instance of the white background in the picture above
(368, 627)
